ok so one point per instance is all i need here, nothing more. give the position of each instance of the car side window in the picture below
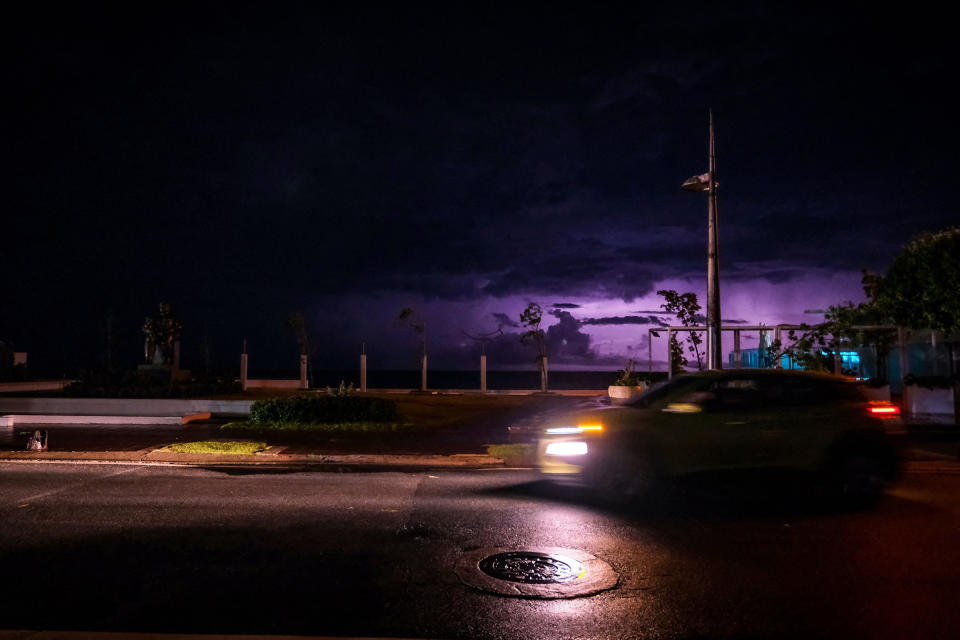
(666, 392)
(735, 394)
(789, 391)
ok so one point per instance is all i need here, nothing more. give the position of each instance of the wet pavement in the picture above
(160, 549)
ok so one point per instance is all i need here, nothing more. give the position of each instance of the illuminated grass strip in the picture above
(211, 446)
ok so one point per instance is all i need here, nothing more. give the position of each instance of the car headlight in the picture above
(566, 449)
(583, 428)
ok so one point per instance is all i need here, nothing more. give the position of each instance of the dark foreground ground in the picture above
(143, 548)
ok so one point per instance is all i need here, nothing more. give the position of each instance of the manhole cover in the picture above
(546, 572)
(530, 568)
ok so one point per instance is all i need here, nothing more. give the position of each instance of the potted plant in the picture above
(628, 385)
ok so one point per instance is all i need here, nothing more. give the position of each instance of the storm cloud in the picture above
(250, 163)
(618, 320)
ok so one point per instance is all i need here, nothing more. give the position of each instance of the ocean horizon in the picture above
(508, 380)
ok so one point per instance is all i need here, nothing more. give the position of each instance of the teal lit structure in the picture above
(761, 358)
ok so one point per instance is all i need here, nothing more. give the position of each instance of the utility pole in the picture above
(707, 182)
(714, 354)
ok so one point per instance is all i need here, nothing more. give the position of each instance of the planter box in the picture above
(623, 395)
(928, 403)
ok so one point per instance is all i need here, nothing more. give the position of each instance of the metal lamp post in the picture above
(707, 182)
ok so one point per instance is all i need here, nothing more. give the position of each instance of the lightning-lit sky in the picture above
(346, 161)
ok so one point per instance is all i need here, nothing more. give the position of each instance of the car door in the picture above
(810, 412)
(745, 428)
(716, 426)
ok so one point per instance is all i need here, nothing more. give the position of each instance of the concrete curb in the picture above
(264, 459)
(23, 419)
(932, 466)
(274, 456)
(18, 634)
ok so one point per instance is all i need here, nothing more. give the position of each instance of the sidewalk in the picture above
(120, 443)
(449, 440)
(459, 430)
(18, 634)
(461, 447)
(407, 462)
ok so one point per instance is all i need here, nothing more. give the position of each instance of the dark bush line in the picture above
(271, 429)
(102, 384)
(323, 409)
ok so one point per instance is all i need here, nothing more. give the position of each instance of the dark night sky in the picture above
(346, 162)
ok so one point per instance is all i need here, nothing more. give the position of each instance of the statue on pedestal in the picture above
(149, 344)
(162, 334)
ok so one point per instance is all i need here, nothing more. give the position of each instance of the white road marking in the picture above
(46, 494)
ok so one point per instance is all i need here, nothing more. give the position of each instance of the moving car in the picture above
(726, 420)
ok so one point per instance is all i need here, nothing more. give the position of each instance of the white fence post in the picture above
(483, 373)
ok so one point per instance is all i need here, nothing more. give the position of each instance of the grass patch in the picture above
(514, 455)
(250, 426)
(212, 446)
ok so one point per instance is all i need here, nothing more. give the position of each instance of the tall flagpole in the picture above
(714, 354)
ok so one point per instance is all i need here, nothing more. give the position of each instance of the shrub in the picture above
(627, 377)
(265, 428)
(323, 409)
(342, 391)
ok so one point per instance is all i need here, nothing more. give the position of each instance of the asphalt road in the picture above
(164, 549)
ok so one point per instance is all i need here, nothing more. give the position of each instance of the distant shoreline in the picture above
(459, 379)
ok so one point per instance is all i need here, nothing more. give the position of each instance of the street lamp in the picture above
(707, 182)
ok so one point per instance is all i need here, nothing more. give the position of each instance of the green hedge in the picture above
(248, 427)
(323, 409)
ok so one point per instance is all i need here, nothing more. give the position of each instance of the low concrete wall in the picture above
(123, 406)
(37, 385)
(62, 420)
(928, 403)
(256, 383)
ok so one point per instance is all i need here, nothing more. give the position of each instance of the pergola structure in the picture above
(778, 330)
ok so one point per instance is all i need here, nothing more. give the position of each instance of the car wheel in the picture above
(621, 479)
(858, 479)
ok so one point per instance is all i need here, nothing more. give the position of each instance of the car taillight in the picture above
(884, 410)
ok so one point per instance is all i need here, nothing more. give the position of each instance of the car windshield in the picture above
(665, 389)
(770, 389)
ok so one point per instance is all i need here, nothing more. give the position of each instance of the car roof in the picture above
(760, 373)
